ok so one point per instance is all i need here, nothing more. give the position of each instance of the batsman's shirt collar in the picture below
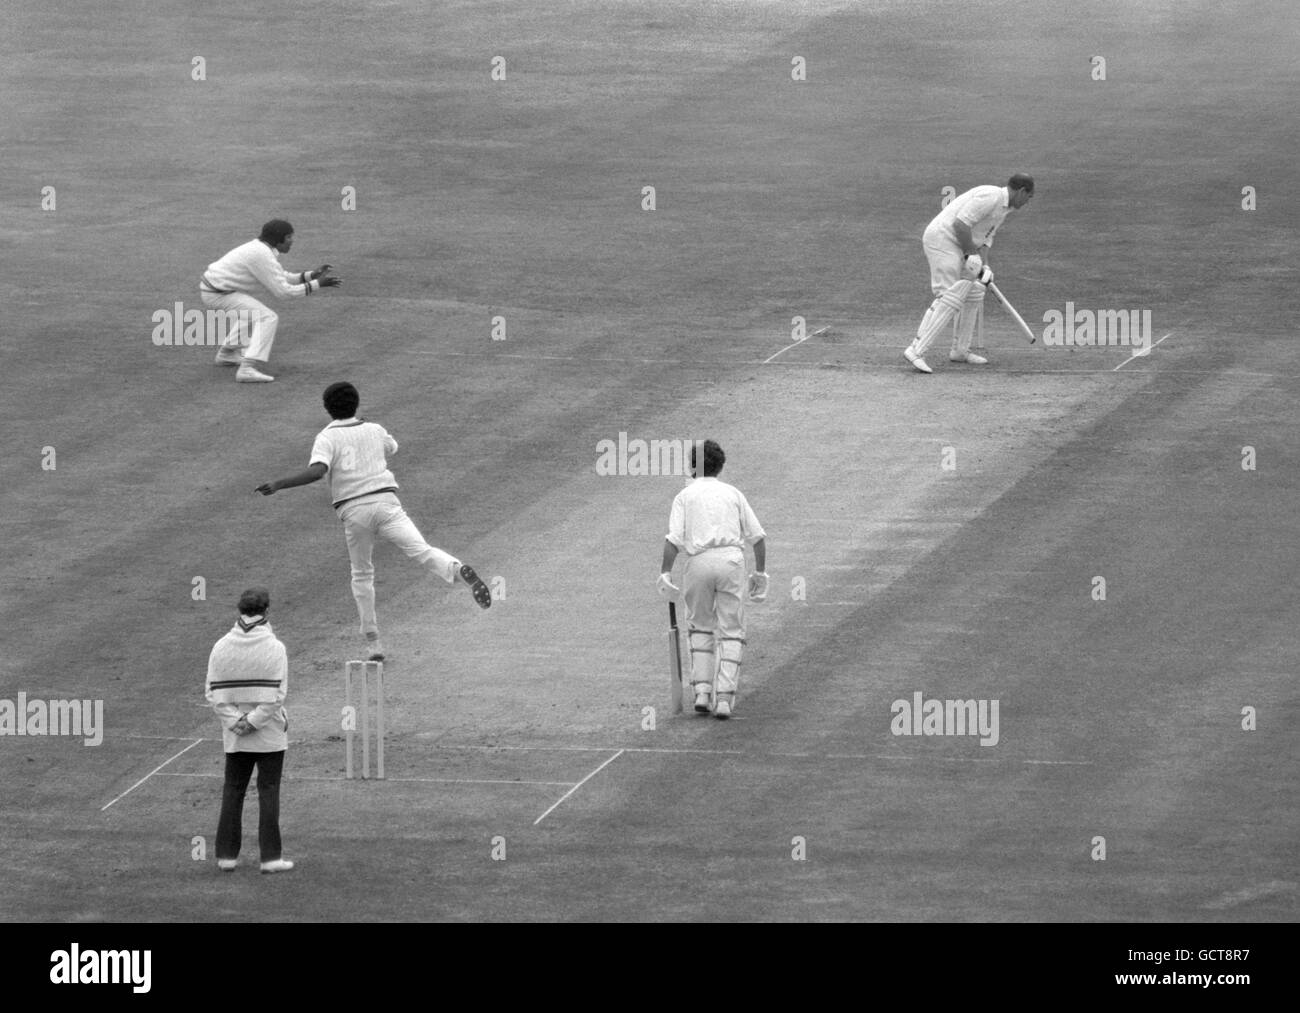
(339, 423)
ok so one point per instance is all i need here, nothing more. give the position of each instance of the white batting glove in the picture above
(974, 263)
(665, 584)
(758, 584)
(984, 275)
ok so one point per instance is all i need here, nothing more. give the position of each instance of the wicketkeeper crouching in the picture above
(711, 522)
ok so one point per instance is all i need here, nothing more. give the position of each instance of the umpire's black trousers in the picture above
(230, 826)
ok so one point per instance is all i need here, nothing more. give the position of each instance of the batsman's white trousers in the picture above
(946, 261)
(257, 345)
(947, 267)
(380, 515)
(713, 586)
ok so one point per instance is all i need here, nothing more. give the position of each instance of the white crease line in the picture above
(422, 780)
(152, 772)
(762, 755)
(785, 349)
(1138, 355)
(577, 786)
(863, 367)
(1061, 763)
(820, 331)
(1250, 893)
(533, 749)
(466, 780)
(706, 752)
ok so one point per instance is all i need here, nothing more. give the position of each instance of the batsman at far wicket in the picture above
(711, 522)
(957, 243)
(364, 493)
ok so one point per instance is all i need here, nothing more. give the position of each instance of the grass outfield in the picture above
(521, 199)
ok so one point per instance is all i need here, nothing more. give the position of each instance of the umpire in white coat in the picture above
(248, 681)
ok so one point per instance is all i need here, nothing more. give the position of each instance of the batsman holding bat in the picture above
(711, 522)
(957, 243)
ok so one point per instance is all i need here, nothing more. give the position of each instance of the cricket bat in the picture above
(675, 657)
(997, 294)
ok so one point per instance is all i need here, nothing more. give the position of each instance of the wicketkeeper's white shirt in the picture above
(983, 208)
(255, 263)
(710, 514)
(355, 452)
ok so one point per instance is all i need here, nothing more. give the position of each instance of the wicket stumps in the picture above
(363, 670)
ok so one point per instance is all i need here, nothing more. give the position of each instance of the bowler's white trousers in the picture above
(380, 515)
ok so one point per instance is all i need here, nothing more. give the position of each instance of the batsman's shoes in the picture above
(376, 649)
(227, 864)
(702, 702)
(229, 356)
(722, 709)
(481, 592)
(971, 357)
(247, 374)
(279, 865)
(917, 362)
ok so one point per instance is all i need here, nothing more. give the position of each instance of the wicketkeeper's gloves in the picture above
(758, 587)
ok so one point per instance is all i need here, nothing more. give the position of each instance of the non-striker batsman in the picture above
(712, 522)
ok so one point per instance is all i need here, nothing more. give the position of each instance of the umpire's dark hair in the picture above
(714, 458)
(275, 231)
(341, 400)
(254, 602)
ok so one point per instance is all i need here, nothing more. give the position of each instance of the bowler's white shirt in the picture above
(983, 208)
(355, 452)
(710, 514)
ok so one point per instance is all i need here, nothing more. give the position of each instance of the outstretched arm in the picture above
(314, 473)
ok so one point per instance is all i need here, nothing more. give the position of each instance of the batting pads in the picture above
(725, 663)
(940, 315)
(703, 661)
(970, 312)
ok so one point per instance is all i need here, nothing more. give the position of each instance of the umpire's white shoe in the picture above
(917, 362)
(227, 864)
(722, 709)
(971, 357)
(250, 374)
(279, 865)
(702, 702)
(232, 356)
